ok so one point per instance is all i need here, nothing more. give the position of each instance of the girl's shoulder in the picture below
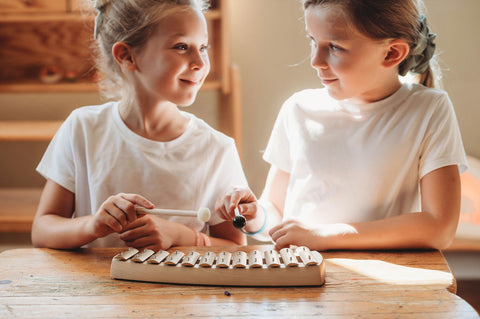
(311, 99)
(92, 113)
(435, 102)
(309, 96)
(202, 130)
(418, 91)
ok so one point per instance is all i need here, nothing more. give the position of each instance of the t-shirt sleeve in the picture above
(57, 163)
(443, 142)
(278, 148)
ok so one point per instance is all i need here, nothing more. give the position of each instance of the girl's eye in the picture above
(181, 46)
(335, 48)
(204, 48)
(312, 40)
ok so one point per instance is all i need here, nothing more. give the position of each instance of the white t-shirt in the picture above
(356, 163)
(95, 155)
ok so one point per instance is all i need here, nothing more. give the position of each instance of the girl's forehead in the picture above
(182, 23)
(328, 20)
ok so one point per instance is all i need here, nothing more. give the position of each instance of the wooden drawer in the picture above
(32, 6)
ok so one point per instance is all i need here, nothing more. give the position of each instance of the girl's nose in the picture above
(317, 59)
(199, 61)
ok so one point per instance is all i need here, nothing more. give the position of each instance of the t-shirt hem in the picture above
(462, 166)
(57, 179)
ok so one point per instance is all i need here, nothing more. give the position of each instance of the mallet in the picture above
(239, 221)
(203, 214)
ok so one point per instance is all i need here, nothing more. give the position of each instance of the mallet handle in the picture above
(171, 212)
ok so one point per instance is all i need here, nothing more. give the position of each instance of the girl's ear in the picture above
(397, 51)
(123, 54)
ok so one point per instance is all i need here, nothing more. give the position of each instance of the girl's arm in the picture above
(433, 227)
(224, 234)
(53, 226)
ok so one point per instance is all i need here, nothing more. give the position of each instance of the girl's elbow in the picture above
(443, 237)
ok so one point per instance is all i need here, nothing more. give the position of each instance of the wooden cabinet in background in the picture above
(39, 33)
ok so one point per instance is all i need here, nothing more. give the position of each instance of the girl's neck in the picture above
(384, 89)
(159, 122)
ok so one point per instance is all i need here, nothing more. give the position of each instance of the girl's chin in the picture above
(335, 94)
(186, 102)
(184, 98)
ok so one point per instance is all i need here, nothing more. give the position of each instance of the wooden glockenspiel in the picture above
(287, 267)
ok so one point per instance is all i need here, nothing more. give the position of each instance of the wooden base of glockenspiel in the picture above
(263, 274)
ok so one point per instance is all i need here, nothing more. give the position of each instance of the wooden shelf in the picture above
(18, 208)
(23, 131)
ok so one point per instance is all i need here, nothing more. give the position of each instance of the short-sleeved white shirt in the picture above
(356, 163)
(95, 155)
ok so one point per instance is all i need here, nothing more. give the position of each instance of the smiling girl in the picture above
(140, 150)
(365, 162)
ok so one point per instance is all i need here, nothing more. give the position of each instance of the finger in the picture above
(283, 231)
(127, 207)
(242, 195)
(131, 234)
(249, 210)
(117, 216)
(137, 223)
(104, 219)
(229, 208)
(275, 229)
(282, 241)
(141, 242)
(235, 199)
(137, 200)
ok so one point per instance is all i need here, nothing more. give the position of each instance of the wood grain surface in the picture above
(45, 283)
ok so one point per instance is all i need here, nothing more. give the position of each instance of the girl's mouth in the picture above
(191, 82)
(328, 81)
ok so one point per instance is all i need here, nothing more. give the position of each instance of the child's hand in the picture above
(293, 232)
(116, 212)
(241, 197)
(150, 232)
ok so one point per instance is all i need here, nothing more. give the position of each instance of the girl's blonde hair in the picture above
(394, 19)
(131, 22)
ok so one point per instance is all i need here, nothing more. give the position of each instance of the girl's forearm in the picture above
(414, 230)
(58, 232)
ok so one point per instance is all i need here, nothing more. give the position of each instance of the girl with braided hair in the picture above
(140, 149)
(366, 162)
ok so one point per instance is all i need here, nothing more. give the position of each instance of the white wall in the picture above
(268, 38)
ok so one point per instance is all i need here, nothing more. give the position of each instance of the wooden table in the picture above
(45, 283)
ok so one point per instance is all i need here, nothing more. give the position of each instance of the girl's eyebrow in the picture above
(180, 35)
(334, 35)
(330, 37)
(176, 35)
